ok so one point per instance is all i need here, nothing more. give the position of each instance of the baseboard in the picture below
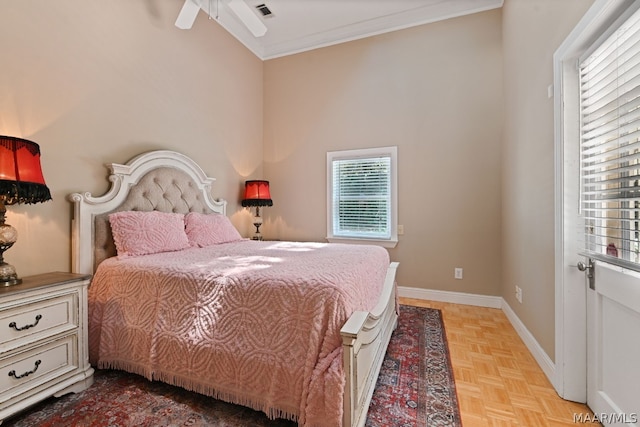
(452, 297)
(538, 353)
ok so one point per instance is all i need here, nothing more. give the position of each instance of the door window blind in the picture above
(610, 146)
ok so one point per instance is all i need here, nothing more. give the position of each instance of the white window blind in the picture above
(361, 194)
(610, 146)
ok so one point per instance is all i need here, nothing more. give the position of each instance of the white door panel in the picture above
(614, 346)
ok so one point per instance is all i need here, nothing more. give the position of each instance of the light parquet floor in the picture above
(498, 381)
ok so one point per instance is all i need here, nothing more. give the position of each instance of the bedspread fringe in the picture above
(188, 384)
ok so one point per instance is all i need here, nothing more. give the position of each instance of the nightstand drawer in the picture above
(36, 366)
(37, 319)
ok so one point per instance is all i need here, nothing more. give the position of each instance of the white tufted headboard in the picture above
(162, 180)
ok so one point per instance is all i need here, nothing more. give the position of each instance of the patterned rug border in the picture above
(424, 393)
(455, 419)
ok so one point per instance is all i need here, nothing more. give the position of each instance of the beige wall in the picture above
(99, 82)
(532, 31)
(435, 91)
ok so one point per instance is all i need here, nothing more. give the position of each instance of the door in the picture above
(598, 326)
(610, 207)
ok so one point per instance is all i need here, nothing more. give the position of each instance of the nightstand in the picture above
(43, 340)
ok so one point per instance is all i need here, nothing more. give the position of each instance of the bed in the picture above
(297, 330)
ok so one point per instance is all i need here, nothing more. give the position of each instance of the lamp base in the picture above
(8, 236)
(8, 275)
(257, 223)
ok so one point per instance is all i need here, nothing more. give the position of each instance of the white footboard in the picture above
(365, 337)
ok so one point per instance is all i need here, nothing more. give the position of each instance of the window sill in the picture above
(391, 243)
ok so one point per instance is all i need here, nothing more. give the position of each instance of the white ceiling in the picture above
(300, 25)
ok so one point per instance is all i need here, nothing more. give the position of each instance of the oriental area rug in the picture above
(415, 389)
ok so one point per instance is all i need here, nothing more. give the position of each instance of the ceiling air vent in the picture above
(264, 10)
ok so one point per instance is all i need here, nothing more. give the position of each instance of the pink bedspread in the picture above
(253, 323)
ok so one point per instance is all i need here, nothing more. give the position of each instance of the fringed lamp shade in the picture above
(256, 193)
(21, 181)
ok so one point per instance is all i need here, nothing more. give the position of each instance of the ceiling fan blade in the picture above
(187, 15)
(248, 18)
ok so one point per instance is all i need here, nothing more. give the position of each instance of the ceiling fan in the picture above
(190, 9)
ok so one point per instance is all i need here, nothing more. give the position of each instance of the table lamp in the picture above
(256, 193)
(21, 181)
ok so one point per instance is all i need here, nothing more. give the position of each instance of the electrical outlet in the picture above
(457, 273)
(519, 294)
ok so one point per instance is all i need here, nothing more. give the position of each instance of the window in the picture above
(610, 145)
(361, 196)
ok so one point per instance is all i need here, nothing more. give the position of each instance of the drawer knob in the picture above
(22, 328)
(13, 373)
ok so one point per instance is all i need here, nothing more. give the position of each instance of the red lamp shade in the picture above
(256, 193)
(21, 179)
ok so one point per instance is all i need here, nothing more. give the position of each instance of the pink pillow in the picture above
(142, 233)
(209, 229)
